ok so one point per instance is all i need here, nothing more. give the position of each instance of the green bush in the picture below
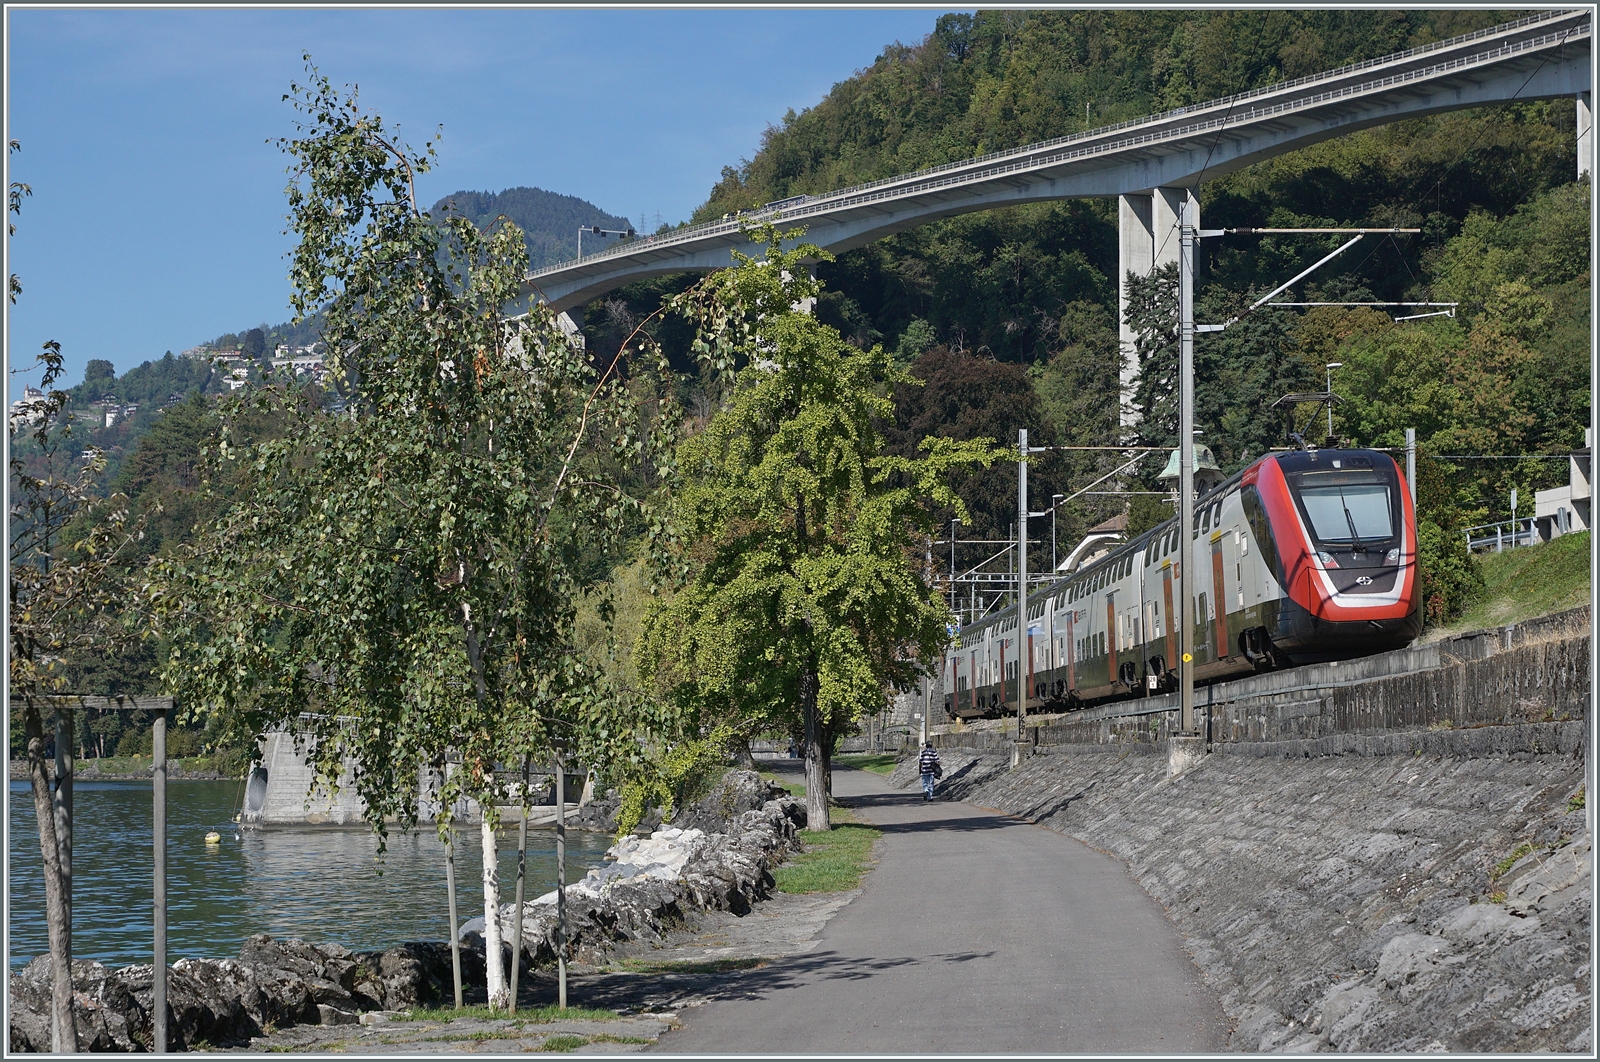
(676, 779)
(1450, 581)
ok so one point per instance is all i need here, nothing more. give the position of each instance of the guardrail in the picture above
(1027, 157)
(1502, 535)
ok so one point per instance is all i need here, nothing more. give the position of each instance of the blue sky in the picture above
(157, 210)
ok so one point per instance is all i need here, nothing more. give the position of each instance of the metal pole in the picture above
(1411, 464)
(1186, 238)
(158, 786)
(522, 876)
(1055, 500)
(1022, 576)
(955, 599)
(1330, 401)
(561, 881)
(455, 927)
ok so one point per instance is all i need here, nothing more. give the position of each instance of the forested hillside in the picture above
(1010, 315)
(549, 220)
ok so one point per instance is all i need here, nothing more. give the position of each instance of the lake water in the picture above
(322, 884)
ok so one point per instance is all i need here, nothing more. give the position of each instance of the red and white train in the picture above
(1304, 556)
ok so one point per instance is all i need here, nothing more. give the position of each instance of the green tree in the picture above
(99, 370)
(807, 600)
(1152, 313)
(406, 568)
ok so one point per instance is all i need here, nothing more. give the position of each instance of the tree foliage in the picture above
(805, 602)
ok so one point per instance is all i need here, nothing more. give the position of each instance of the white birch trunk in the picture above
(499, 991)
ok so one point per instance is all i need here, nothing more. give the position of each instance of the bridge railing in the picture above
(1027, 157)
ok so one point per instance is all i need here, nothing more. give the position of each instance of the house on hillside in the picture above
(27, 409)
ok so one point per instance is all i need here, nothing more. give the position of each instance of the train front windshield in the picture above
(1348, 513)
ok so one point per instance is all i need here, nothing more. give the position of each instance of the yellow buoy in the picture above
(213, 837)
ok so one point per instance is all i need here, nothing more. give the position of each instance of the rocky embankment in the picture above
(717, 857)
(1418, 891)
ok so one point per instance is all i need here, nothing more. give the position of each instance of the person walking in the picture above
(928, 764)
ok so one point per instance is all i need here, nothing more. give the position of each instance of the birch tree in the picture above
(402, 563)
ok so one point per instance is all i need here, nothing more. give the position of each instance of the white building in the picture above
(1562, 510)
(25, 410)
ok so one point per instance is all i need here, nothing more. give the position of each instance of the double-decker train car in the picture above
(1303, 556)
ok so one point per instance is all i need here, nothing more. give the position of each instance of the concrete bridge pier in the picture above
(1585, 135)
(1147, 237)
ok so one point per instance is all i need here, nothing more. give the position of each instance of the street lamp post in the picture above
(1332, 365)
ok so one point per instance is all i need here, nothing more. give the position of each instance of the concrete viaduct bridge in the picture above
(1151, 164)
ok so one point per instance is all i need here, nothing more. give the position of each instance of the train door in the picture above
(1002, 675)
(1072, 651)
(1111, 636)
(1166, 592)
(1219, 596)
(1030, 690)
(972, 682)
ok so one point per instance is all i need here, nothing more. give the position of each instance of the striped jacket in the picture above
(927, 761)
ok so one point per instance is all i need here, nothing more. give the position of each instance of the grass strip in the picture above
(563, 1042)
(876, 762)
(795, 788)
(832, 861)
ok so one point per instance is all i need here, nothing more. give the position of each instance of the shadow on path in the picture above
(669, 989)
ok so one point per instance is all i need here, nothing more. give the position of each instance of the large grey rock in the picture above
(736, 792)
(654, 886)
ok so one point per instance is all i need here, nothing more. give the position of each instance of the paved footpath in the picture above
(976, 933)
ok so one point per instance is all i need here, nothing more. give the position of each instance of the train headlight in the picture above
(1327, 559)
(1392, 556)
